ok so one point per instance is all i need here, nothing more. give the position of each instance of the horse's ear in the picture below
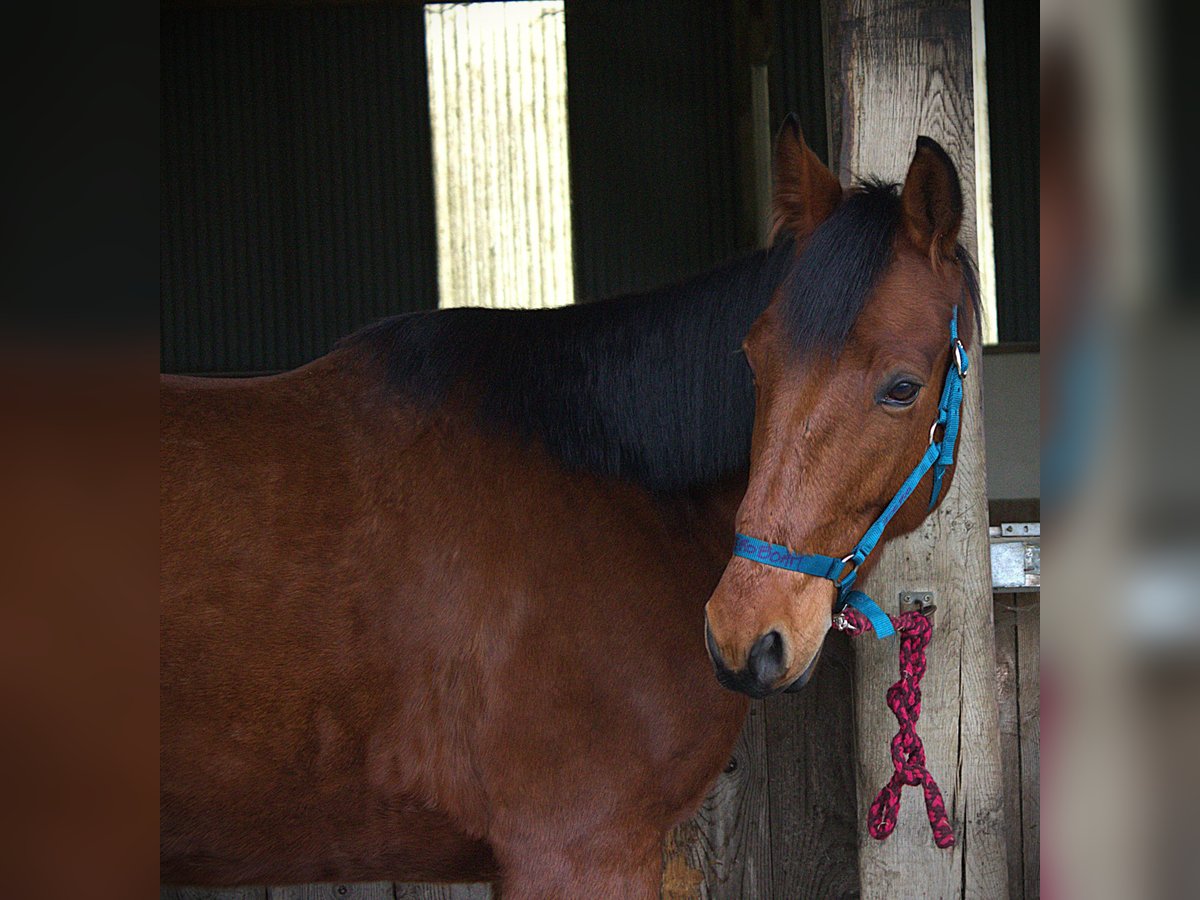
(805, 191)
(932, 201)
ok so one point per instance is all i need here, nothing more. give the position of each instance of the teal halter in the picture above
(843, 571)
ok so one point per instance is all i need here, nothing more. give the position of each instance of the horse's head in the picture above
(849, 362)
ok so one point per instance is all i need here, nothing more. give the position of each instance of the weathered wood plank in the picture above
(724, 852)
(810, 778)
(381, 890)
(1010, 738)
(904, 68)
(373, 891)
(1029, 704)
(412, 891)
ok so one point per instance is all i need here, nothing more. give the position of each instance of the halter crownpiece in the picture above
(843, 571)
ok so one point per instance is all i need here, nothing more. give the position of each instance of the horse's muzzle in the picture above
(764, 665)
(806, 676)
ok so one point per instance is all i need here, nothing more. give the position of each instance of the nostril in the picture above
(766, 658)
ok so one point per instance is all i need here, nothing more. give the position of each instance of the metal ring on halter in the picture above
(842, 623)
(959, 354)
(843, 575)
(932, 429)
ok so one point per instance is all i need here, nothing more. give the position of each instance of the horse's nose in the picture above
(765, 663)
(763, 666)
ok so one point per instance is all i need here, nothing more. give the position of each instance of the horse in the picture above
(447, 603)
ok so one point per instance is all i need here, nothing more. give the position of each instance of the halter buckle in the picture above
(960, 358)
(932, 429)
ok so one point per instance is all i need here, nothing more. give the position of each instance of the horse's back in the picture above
(251, 472)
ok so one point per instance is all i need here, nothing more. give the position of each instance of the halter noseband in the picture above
(843, 571)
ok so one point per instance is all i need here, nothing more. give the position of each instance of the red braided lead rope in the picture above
(908, 753)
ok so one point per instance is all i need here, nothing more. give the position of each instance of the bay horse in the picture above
(434, 606)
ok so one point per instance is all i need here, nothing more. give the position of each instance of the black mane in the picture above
(830, 283)
(649, 387)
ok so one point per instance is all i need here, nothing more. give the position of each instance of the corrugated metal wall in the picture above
(798, 70)
(655, 159)
(498, 106)
(297, 199)
(1013, 67)
(297, 177)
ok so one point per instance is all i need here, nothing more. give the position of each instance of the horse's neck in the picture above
(706, 514)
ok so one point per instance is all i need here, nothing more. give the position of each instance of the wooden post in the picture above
(899, 69)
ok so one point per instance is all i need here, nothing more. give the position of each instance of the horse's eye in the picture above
(902, 393)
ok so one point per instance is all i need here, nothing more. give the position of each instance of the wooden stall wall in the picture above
(781, 821)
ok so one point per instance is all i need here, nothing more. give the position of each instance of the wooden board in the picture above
(443, 891)
(383, 890)
(1007, 675)
(374, 891)
(1018, 656)
(901, 69)
(1029, 708)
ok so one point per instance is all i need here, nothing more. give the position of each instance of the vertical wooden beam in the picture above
(760, 105)
(1029, 708)
(1007, 675)
(903, 68)
(1018, 678)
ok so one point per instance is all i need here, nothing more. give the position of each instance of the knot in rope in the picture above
(908, 753)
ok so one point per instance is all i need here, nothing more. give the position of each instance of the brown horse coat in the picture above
(377, 682)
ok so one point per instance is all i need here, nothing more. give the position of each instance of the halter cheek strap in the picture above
(938, 457)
